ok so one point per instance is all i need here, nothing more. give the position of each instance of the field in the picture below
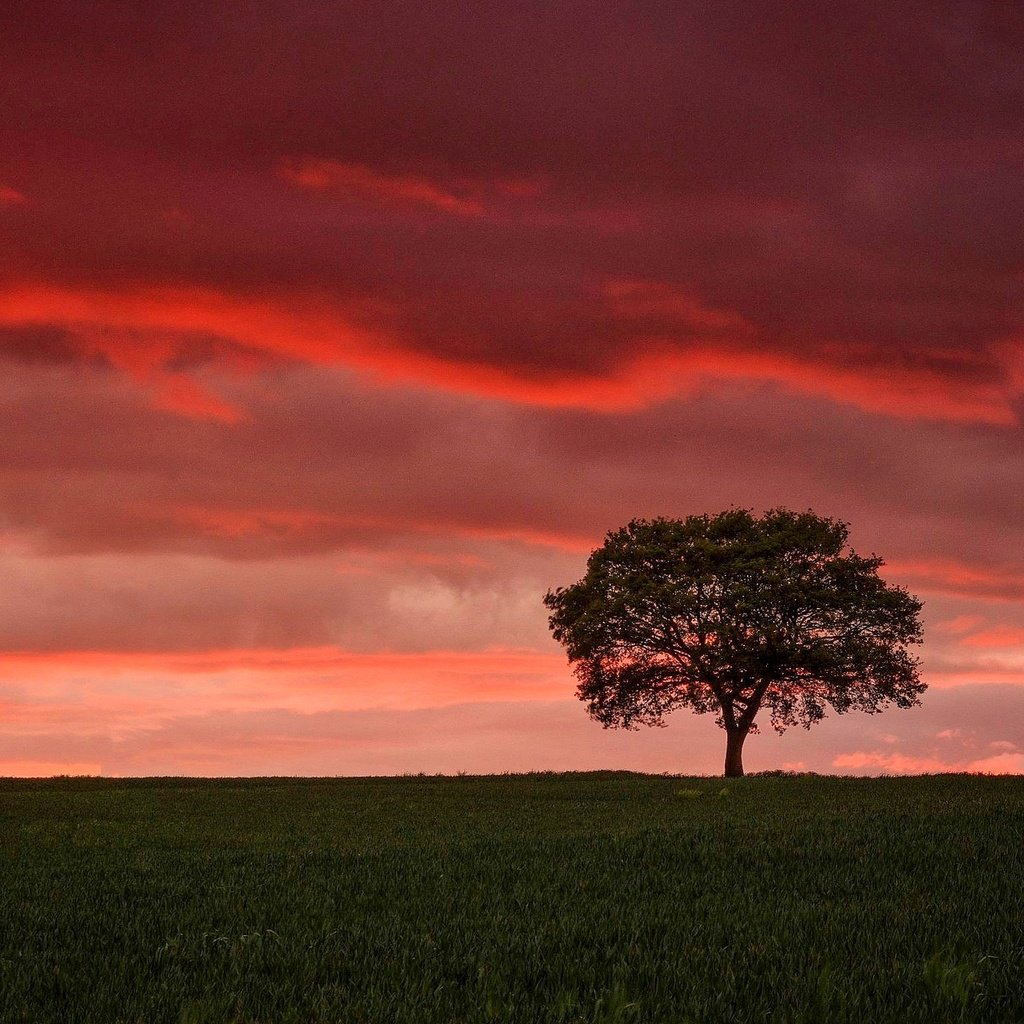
(564, 898)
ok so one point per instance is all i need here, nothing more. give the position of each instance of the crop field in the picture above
(564, 898)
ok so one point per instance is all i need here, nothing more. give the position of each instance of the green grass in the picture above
(565, 898)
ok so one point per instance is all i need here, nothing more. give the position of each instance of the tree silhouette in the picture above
(733, 613)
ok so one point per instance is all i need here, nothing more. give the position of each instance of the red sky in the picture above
(333, 335)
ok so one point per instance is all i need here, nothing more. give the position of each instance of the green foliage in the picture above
(731, 613)
(567, 899)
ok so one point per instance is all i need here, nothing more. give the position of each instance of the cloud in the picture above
(234, 678)
(997, 637)
(145, 328)
(977, 727)
(678, 346)
(958, 625)
(355, 181)
(981, 582)
(897, 764)
(39, 768)
(180, 394)
(322, 463)
(831, 188)
(202, 732)
(901, 764)
(480, 737)
(1000, 764)
(364, 347)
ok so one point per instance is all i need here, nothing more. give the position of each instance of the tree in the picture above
(733, 613)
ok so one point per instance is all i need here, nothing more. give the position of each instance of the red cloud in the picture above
(227, 522)
(636, 299)
(989, 583)
(183, 395)
(251, 522)
(997, 637)
(142, 329)
(351, 180)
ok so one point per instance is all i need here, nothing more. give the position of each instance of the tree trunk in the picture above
(734, 752)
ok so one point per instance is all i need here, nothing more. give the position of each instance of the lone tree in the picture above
(731, 614)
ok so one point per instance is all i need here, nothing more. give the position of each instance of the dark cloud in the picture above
(843, 180)
(45, 345)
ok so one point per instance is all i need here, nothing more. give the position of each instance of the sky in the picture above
(332, 335)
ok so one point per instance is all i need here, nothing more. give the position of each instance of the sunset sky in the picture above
(332, 335)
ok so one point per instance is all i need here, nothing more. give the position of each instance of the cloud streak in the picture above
(357, 181)
(680, 347)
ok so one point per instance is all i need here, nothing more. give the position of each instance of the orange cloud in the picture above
(359, 181)
(11, 196)
(479, 737)
(259, 658)
(926, 384)
(576, 543)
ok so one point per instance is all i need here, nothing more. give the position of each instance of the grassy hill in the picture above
(566, 898)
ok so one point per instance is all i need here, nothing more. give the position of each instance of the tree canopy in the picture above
(731, 614)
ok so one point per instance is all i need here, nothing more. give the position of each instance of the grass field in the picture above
(570, 898)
